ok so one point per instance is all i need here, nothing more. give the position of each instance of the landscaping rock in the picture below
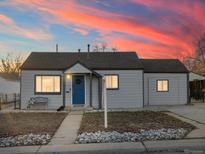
(105, 137)
(29, 139)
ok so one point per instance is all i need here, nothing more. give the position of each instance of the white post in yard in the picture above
(105, 102)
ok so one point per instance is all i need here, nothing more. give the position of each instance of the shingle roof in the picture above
(93, 60)
(163, 66)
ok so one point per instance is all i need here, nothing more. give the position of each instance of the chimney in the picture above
(56, 47)
(88, 47)
(78, 50)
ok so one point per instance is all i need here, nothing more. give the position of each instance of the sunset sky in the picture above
(152, 28)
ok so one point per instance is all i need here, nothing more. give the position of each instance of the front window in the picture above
(162, 85)
(112, 81)
(48, 84)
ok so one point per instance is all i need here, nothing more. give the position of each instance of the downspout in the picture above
(143, 88)
(188, 93)
(63, 89)
(20, 90)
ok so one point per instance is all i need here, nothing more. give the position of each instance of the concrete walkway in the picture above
(67, 132)
(193, 114)
(148, 146)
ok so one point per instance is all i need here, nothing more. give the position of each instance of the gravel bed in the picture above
(29, 139)
(104, 137)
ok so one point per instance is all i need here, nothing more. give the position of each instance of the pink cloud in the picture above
(81, 31)
(6, 20)
(8, 26)
(167, 43)
(194, 9)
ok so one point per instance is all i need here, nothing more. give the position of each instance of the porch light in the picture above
(68, 76)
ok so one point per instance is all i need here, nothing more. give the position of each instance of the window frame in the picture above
(118, 83)
(162, 90)
(47, 93)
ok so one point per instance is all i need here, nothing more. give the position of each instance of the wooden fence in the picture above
(197, 90)
(10, 101)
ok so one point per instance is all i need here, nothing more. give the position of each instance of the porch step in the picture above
(79, 108)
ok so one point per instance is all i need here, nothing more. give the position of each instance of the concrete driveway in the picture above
(194, 112)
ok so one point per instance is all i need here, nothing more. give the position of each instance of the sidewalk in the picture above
(148, 146)
(67, 132)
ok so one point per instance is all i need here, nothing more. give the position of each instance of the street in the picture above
(185, 151)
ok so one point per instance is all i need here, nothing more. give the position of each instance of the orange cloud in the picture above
(146, 50)
(172, 43)
(105, 22)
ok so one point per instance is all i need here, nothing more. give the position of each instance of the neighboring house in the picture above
(75, 79)
(196, 77)
(9, 86)
(8, 89)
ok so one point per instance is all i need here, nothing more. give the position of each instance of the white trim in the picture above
(85, 79)
(85, 102)
(71, 96)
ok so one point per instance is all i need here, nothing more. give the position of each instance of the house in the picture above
(75, 79)
(195, 77)
(9, 86)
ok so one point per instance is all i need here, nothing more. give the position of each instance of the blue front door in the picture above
(78, 87)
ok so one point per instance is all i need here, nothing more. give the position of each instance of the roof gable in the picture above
(78, 68)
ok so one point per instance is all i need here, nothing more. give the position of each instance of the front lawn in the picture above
(131, 122)
(12, 124)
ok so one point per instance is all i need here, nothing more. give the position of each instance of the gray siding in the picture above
(95, 100)
(176, 95)
(27, 89)
(95, 93)
(130, 92)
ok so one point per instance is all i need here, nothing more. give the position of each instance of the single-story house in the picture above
(75, 79)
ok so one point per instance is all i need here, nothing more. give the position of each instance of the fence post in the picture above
(0, 103)
(6, 98)
(14, 100)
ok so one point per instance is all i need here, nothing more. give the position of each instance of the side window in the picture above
(112, 81)
(162, 86)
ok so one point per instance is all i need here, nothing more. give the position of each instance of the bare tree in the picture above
(200, 47)
(104, 46)
(96, 48)
(114, 49)
(197, 63)
(11, 65)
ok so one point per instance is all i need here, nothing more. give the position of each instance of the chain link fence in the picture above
(10, 101)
